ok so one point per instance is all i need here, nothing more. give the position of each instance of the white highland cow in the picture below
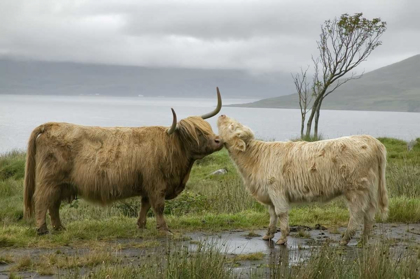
(280, 173)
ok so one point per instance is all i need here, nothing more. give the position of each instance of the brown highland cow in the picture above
(108, 164)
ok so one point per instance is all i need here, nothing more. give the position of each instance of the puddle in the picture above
(299, 249)
(239, 242)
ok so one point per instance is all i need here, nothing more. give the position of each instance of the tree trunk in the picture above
(309, 125)
(302, 126)
(316, 122)
(318, 112)
(311, 118)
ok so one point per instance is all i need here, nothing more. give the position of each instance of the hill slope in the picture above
(392, 88)
(64, 78)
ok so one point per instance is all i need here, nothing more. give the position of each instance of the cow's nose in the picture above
(222, 116)
(217, 140)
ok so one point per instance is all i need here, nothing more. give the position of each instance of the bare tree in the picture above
(305, 96)
(344, 44)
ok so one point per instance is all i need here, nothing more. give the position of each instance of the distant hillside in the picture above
(64, 78)
(392, 88)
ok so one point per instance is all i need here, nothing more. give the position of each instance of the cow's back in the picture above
(101, 164)
(325, 169)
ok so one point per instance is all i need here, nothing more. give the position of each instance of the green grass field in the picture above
(209, 203)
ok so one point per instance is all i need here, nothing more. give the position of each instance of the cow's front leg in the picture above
(281, 206)
(284, 227)
(145, 206)
(158, 205)
(273, 222)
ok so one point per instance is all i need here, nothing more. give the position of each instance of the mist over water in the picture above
(19, 115)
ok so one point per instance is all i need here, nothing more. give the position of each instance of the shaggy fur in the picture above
(280, 173)
(108, 164)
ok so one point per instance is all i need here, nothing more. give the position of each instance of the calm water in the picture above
(20, 114)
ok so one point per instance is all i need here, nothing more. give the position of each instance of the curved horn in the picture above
(218, 108)
(173, 127)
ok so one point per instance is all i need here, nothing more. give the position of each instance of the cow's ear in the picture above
(239, 144)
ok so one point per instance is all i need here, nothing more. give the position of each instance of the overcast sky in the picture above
(259, 36)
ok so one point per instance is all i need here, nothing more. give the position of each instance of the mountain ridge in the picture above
(395, 87)
(27, 77)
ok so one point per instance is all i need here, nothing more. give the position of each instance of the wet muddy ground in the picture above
(301, 242)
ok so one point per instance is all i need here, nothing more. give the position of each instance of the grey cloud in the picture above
(219, 22)
(257, 36)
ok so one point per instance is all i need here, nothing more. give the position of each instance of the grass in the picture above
(252, 234)
(331, 262)
(249, 257)
(206, 262)
(405, 210)
(23, 264)
(303, 234)
(333, 230)
(310, 138)
(6, 259)
(371, 261)
(144, 244)
(12, 165)
(49, 264)
(397, 151)
(209, 203)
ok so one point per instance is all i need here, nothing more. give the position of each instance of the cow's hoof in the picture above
(141, 226)
(268, 237)
(59, 228)
(281, 241)
(42, 231)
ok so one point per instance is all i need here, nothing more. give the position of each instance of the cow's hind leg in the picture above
(55, 215)
(369, 220)
(357, 203)
(46, 197)
(40, 216)
(273, 222)
(145, 206)
(62, 192)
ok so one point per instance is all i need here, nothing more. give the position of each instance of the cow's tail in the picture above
(30, 172)
(382, 191)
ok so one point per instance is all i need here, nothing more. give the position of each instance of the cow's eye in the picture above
(232, 127)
